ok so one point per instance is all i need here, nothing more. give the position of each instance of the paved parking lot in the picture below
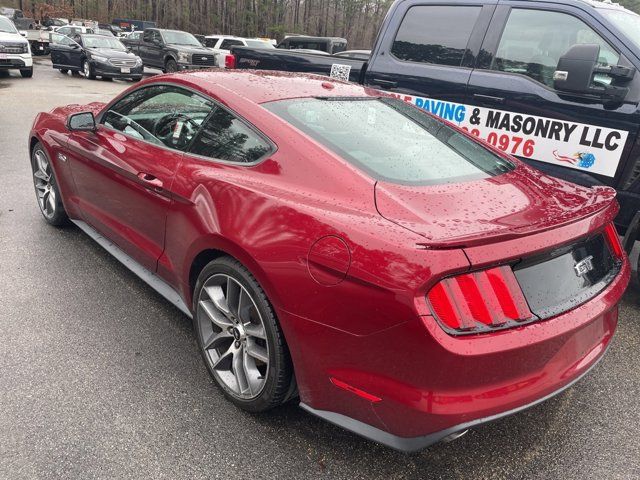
(100, 377)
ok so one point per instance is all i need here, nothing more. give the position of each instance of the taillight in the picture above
(614, 240)
(230, 61)
(479, 301)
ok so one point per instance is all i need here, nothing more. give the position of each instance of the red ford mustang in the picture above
(405, 281)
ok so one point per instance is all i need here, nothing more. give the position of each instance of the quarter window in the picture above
(534, 40)
(165, 115)
(435, 34)
(225, 137)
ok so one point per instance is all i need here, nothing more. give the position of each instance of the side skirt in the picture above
(150, 278)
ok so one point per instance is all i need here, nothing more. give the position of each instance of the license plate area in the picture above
(125, 70)
(563, 279)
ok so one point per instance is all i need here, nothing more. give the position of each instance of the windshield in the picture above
(180, 38)
(626, 21)
(391, 140)
(259, 44)
(7, 26)
(103, 42)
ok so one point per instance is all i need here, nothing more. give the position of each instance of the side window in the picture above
(534, 40)
(164, 115)
(228, 43)
(211, 42)
(148, 36)
(435, 34)
(225, 137)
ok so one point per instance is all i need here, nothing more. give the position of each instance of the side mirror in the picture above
(81, 122)
(23, 33)
(576, 70)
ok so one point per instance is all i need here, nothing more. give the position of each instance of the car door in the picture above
(60, 47)
(76, 53)
(124, 171)
(428, 51)
(150, 49)
(514, 105)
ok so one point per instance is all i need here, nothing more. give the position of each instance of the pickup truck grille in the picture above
(203, 59)
(120, 62)
(14, 47)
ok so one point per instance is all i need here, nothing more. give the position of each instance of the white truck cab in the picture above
(15, 53)
(221, 45)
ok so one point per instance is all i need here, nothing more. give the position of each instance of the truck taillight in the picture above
(230, 61)
(479, 301)
(614, 241)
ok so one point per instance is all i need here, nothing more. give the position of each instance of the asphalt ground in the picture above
(101, 378)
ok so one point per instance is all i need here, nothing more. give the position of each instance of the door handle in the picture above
(150, 181)
(384, 83)
(488, 98)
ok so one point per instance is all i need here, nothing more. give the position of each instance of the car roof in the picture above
(260, 86)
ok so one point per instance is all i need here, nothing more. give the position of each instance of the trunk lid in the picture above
(521, 202)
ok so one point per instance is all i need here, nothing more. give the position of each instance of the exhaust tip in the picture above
(454, 436)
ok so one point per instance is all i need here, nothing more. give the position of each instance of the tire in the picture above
(170, 66)
(247, 333)
(46, 187)
(136, 79)
(64, 70)
(87, 70)
(26, 72)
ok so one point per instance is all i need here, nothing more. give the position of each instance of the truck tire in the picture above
(170, 66)
(26, 72)
(64, 70)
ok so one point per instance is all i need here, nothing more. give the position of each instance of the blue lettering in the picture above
(460, 113)
(419, 102)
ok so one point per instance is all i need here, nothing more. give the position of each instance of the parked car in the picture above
(17, 17)
(73, 30)
(127, 24)
(170, 50)
(15, 53)
(95, 56)
(325, 44)
(363, 55)
(103, 31)
(508, 73)
(405, 280)
(222, 44)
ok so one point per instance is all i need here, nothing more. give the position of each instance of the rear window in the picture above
(391, 140)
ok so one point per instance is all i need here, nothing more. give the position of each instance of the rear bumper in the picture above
(429, 385)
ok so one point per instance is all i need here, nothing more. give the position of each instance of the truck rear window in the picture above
(390, 140)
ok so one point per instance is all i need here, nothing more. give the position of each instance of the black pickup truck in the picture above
(552, 82)
(170, 50)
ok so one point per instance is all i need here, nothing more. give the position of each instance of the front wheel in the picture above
(239, 337)
(87, 70)
(47, 191)
(171, 66)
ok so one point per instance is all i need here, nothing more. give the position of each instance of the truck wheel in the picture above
(26, 72)
(170, 66)
(64, 70)
(87, 70)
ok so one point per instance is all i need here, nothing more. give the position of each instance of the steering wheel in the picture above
(175, 130)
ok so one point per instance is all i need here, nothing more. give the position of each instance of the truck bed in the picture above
(293, 61)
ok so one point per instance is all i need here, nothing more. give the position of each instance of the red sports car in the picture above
(402, 279)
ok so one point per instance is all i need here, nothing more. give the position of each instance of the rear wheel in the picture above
(47, 191)
(27, 72)
(239, 337)
(64, 70)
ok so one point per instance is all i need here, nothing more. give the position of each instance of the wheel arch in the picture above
(211, 247)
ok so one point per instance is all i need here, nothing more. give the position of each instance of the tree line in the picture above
(356, 20)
